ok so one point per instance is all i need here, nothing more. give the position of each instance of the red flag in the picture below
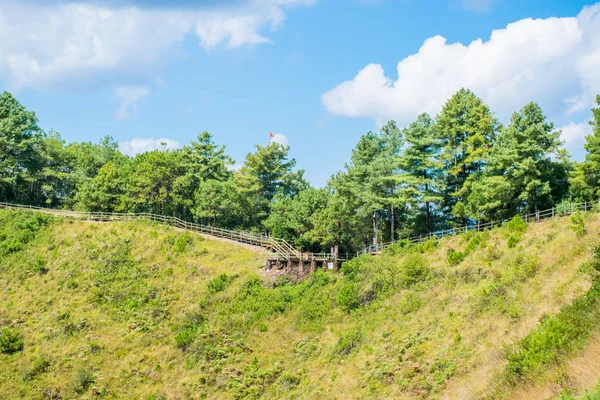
(271, 134)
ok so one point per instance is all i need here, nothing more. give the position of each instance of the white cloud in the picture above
(553, 61)
(574, 137)
(51, 43)
(143, 145)
(279, 138)
(129, 97)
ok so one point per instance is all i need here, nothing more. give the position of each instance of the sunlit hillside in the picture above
(141, 310)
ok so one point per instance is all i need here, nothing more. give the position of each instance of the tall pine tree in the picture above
(421, 177)
(466, 128)
(585, 182)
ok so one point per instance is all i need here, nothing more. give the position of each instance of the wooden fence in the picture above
(560, 210)
(279, 246)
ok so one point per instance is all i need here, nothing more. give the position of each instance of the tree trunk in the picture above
(375, 228)
(427, 217)
(392, 225)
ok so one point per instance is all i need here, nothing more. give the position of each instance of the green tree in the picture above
(291, 218)
(523, 157)
(20, 137)
(585, 182)
(422, 183)
(219, 203)
(266, 173)
(467, 129)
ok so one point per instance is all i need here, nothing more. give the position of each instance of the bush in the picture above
(82, 380)
(455, 257)
(187, 332)
(11, 341)
(577, 224)
(516, 225)
(347, 343)
(39, 266)
(414, 269)
(512, 241)
(39, 365)
(182, 242)
(219, 283)
(556, 335)
(185, 337)
(348, 297)
(410, 303)
(19, 228)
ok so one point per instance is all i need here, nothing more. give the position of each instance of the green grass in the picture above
(141, 310)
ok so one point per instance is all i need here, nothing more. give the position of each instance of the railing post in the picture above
(585, 206)
(552, 212)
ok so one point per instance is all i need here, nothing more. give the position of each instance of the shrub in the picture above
(39, 365)
(187, 332)
(218, 284)
(512, 241)
(347, 343)
(82, 380)
(516, 225)
(11, 341)
(414, 269)
(19, 228)
(455, 257)
(348, 297)
(185, 337)
(578, 224)
(410, 303)
(39, 266)
(287, 380)
(556, 335)
(182, 242)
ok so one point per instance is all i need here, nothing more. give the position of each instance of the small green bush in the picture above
(288, 380)
(347, 343)
(578, 224)
(182, 242)
(414, 269)
(11, 341)
(185, 337)
(516, 225)
(455, 257)
(39, 266)
(513, 240)
(187, 332)
(82, 380)
(38, 366)
(410, 303)
(348, 297)
(219, 283)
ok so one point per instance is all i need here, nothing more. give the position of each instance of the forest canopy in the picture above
(461, 167)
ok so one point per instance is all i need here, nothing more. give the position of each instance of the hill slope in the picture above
(140, 310)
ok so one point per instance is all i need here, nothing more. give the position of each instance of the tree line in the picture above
(461, 167)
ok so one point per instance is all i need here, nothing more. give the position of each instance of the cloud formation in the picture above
(129, 97)
(143, 145)
(279, 138)
(76, 43)
(574, 137)
(553, 61)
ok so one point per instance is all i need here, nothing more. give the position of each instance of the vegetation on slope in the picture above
(140, 310)
(460, 168)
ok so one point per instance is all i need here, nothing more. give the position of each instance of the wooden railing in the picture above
(279, 246)
(560, 210)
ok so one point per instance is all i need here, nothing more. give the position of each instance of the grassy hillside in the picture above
(140, 310)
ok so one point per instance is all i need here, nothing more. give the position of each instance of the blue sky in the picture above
(241, 69)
